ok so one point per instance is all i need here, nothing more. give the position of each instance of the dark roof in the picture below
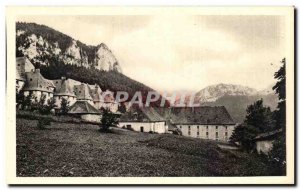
(143, 114)
(83, 107)
(35, 81)
(203, 115)
(63, 87)
(23, 65)
(268, 135)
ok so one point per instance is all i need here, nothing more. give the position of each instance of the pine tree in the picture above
(277, 155)
(64, 106)
(280, 89)
(108, 119)
(259, 117)
(258, 120)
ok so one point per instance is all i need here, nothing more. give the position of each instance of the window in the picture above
(226, 135)
(18, 64)
(180, 126)
(198, 134)
(217, 136)
(128, 126)
(217, 127)
(189, 127)
(225, 127)
(189, 133)
(207, 127)
(142, 129)
(30, 79)
(207, 135)
(198, 127)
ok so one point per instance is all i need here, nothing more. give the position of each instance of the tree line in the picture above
(260, 119)
(33, 104)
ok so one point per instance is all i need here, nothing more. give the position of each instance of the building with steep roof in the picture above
(97, 95)
(206, 122)
(83, 93)
(108, 101)
(143, 120)
(37, 85)
(23, 65)
(86, 111)
(63, 90)
(102, 99)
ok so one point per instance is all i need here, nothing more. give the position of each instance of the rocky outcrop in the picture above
(35, 41)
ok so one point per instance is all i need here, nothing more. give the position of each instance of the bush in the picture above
(64, 106)
(108, 119)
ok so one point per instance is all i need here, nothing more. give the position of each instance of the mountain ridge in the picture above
(59, 55)
(38, 42)
(212, 93)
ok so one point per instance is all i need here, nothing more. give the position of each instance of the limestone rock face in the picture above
(73, 50)
(105, 60)
(38, 45)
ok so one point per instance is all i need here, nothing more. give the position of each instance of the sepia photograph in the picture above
(158, 92)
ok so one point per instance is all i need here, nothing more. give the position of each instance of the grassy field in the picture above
(81, 150)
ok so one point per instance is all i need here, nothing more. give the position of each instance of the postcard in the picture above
(150, 95)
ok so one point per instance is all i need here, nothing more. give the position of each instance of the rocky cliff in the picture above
(39, 43)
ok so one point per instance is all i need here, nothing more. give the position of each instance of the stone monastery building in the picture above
(30, 81)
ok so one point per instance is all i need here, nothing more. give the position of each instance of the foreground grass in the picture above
(81, 150)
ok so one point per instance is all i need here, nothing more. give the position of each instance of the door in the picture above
(142, 129)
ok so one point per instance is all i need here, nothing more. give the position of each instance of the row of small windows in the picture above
(207, 134)
(189, 127)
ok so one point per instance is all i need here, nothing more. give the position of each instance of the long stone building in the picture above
(213, 123)
(205, 122)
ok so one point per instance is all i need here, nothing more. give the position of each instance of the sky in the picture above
(184, 52)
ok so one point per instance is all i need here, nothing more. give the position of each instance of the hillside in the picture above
(80, 150)
(39, 42)
(237, 105)
(235, 98)
(214, 92)
(111, 80)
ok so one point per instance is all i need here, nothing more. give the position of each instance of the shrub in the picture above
(108, 119)
(64, 106)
